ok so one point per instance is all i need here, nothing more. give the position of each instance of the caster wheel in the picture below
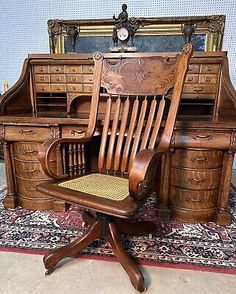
(144, 290)
(49, 271)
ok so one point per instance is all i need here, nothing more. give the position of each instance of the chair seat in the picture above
(100, 192)
(100, 185)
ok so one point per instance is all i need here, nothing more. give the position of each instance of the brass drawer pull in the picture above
(41, 69)
(27, 132)
(207, 137)
(75, 132)
(32, 171)
(31, 190)
(200, 159)
(196, 180)
(30, 151)
(198, 89)
(42, 78)
(195, 200)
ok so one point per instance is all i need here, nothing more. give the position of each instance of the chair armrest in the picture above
(45, 151)
(143, 172)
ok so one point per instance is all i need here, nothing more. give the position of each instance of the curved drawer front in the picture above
(29, 151)
(27, 188)
(31, 170)
(27, 133)
(195, 179)
(202, 140)
(192, 199)
(197, 158)
(26, 150)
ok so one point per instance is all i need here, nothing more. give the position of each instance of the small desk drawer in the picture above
(42, 78)
(87, 88)
(26, 133)
(58, 78)
(197, 158)
(192, 79)
(73, 69)
(196, 179)
(42, 88)
(194, 68)
(74, 88)
(87, 69)
(87, 78)
(199, 88)
(73, 131)
(58, 88)
(208, 79)
(74, 79)
(56, 68)
(210, 68)
(41, 69)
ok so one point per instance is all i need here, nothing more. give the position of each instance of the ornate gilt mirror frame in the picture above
(165, 33)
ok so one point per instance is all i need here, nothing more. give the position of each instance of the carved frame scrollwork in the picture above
(211, 26)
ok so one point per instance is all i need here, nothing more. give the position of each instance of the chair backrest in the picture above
(140, 91)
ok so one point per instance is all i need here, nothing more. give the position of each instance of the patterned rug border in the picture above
(205, 268)
(140, 262)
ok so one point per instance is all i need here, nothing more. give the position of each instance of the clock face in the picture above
(122, 34)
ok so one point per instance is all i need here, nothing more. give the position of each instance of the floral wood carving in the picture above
(151, 76)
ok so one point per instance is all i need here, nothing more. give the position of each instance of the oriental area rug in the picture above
(208, 247)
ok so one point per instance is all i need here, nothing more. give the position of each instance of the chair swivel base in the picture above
(110, 228)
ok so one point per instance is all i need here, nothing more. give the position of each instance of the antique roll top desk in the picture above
(52, 99)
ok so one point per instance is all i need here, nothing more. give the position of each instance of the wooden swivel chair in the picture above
(138, 89)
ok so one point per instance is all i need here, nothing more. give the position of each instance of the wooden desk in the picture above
(52, 99)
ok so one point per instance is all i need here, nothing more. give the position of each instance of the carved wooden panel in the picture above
(143, 76)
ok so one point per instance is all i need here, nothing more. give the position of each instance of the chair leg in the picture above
(53, 257)
(126, 227)
(128, 264)
(88, 218)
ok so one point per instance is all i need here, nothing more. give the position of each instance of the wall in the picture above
(23, 24)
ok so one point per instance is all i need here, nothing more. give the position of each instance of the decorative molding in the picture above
(55, 132)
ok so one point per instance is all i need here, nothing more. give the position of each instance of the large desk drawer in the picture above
(201, 139)
(26, 133)
(196, 179)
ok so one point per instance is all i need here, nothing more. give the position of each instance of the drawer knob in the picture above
(42, 78)
(27, 132)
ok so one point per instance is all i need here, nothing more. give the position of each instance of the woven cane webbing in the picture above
(105, 186)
